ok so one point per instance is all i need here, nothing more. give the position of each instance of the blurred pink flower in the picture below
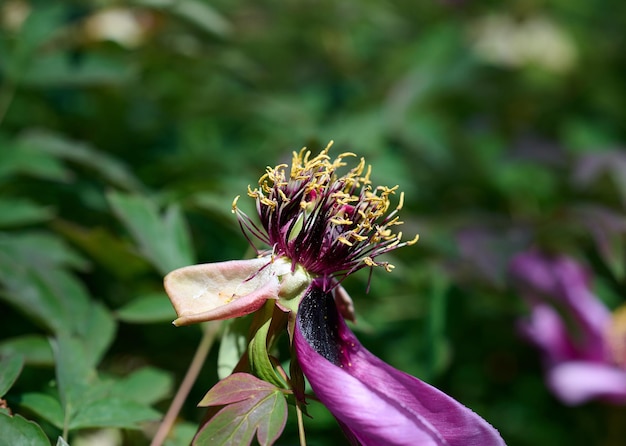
(572, 328)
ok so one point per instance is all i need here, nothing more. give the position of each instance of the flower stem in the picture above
(300, 425)
(208, 337)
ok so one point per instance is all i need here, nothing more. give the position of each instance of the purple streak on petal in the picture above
(576, 382)
(376, 403)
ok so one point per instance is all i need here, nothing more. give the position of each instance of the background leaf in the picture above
(10, 368)
(149, 308)
(35, 349)
(17, 430)
(163, 239)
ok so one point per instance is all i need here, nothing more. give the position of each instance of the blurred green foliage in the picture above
(127, 128)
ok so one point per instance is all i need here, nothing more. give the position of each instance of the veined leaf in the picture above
(236, 387)
(16, 430)
(253, 407)
(147, 385)
(162, 238)
(46, 406)
(112, 412)
(82, 153)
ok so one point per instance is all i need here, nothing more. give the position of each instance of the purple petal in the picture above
(545, 328)
(566, 283)
(576, 382)
(376, 403)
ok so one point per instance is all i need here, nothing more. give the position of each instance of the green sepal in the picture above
(260, 363)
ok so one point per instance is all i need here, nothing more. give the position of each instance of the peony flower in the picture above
(583, 345)
(320, 227)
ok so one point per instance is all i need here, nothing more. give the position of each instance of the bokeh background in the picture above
(127, 128)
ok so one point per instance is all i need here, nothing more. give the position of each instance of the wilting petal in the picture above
(576, 382)
(223, 290)
(376, 403)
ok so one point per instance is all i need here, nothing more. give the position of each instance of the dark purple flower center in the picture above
(318, 322)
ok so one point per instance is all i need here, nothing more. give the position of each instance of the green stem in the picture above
(210, 331)
(300, 425)
(66, 422)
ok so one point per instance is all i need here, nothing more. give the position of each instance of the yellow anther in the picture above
(414, 241)
(388, 267)
(283, 196)
(369, 261)
(267, 202)
(400, 202)
(340, 221)
(357, 237)
(234, 205)
(344, 240)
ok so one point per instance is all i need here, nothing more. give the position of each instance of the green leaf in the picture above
(34, 348)
(112, 412)
(60, 69)
(16, 430)
(196, 12)
(97, 333)
(16, 212)
(147, 309)
(75, 376)
(37, 29)
(181, 434)
(105, 249)
(51, 297)
(61, 442)
(116, 173)
(147, 386)
(89, 402)
(44, 405)
(10, 369)
(39, 250)
(19, 159)
(253, 407)
(233, 345)
(260, 363)
(163, 239)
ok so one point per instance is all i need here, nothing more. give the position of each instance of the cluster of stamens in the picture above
(329, 224)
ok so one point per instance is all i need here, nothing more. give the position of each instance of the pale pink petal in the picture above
(576, 382)
(222, 290)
